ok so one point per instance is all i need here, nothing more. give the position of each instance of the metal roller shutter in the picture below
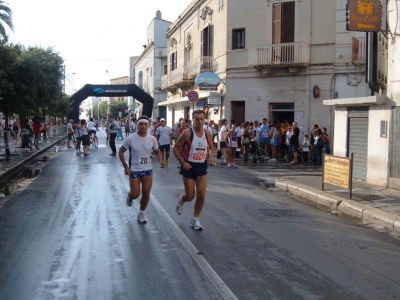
(358, 144)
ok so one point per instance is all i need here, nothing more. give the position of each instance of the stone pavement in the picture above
(373, 206)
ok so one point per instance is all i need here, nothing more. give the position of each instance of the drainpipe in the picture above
(309, 76)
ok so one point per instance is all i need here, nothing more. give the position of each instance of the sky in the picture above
(92, 36)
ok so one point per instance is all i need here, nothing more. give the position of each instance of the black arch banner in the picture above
(111, 90)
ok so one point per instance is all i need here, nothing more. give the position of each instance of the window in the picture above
(238, 39)
(283, 22)
(165, 69)
(189, 49)
(173, 58)
(207, 41)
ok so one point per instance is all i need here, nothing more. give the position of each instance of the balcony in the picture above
(178, 75)
(280, 55)
(201, 64)
(165, 82)
(358, 46)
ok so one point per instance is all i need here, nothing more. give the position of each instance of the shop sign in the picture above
(338, 171)
(208, 81)
(364, 15)
(201, 104)
(214, 100)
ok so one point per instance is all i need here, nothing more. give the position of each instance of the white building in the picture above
(369, 126)
(152, 63)
(270, 55)
(86, 108)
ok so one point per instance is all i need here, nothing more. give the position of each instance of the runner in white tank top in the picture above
(191, 150)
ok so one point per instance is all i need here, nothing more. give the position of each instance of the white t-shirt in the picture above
(206, 127)
(91, 125)
(288, 136)
(141, 148)
(133, 128)
(150, 130)
(306, 144)
(69, 128)
(164, 134)
(257, 132)
(114, 124)
(222, 133)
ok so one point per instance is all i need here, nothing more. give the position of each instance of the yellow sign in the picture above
(364, 15)
(337, 171)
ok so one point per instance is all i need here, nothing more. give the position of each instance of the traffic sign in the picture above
(193, 96)
(120, 114)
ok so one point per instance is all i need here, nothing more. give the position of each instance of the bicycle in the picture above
(74, 140)
(94, 141)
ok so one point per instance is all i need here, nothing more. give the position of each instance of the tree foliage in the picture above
(115, 107)
(6, 18)
(31, 81)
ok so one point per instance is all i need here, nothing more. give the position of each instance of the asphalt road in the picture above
(69, 235)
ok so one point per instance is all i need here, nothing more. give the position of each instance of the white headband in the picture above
(142, 121)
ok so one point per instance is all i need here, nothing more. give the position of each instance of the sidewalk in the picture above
(20, 157)
(373, 206)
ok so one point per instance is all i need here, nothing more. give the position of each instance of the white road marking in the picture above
(222, 288)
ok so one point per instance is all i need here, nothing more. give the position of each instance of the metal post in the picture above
(351, 176)
(323, 171)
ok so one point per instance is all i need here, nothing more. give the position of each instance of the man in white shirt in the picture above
(164, 138)
(222, 143)
(92, 127)
(206, 126)
(140, 171)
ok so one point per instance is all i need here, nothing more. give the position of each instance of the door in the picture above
(238, 111)
(358, 142)
(281, 112)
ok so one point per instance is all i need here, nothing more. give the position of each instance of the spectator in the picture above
(37, 132)
(306, 148)
(245, 134)
(294, 142)
(25, 134)
(70, 132)
(327, 141)
(78, 136)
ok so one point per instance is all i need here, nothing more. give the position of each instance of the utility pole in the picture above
(64, 81)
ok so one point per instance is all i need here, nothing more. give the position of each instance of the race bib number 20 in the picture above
(143, 161)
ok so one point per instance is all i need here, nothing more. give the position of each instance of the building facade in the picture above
(276, 59)
(152, 64)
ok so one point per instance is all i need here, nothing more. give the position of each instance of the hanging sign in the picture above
(214, 100)
(208, 81)
(364, 15)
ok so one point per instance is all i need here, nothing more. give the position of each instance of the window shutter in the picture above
(276, 31)
(287, 35)
(210, 40)
(203, 32)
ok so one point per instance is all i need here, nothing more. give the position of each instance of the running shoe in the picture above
(223, 162)
(195, 224)
(179, 207)
(233, 166)
(166, 163)
(228, 165)
(141, 218)
(129, 201)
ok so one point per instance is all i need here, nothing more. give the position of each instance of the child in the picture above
(306, 148)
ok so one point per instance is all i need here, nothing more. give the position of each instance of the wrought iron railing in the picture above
(178, 75)
(358, 46)
(201, 64)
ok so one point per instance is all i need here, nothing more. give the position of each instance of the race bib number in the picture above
(199, 156)
(144, 161)
(234, 144)
(265, 134)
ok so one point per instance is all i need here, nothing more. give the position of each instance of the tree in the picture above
(115, 107)
(5, 17)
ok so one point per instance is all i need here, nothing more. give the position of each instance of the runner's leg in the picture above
(201, 186)
(147, 182)
(189, 189)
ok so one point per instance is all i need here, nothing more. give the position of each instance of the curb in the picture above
(349, 209)
(8, 176)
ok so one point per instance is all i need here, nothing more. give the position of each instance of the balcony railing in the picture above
(165, 82)
(201, 64)
(288, 54)
(178, 75)
(358, 48)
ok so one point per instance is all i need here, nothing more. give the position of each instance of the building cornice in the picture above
(144, 53)
(192, 7)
